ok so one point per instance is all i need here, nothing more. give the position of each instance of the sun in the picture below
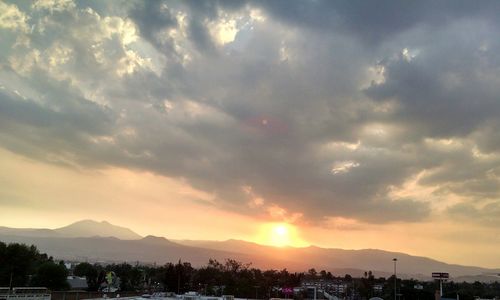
(281, 230)
(279, 235)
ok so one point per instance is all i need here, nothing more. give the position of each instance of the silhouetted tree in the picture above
(51, 275)
(19, 262)
(90, 272)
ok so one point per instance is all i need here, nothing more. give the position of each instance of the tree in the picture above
(90, 272)
(51, 275)
(19, 261)
(312, 273)
(130, 276)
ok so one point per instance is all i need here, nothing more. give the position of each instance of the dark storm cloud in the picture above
(285, 112)
(152, 17)
(443, 90)
(374, 22)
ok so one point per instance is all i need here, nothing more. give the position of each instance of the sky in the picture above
(352, 124)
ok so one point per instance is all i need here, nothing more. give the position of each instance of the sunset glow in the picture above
(342, 124)
(280, 235)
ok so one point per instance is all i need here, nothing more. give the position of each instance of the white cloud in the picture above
(53, 5)
(24, 63)
(344, 166)
(12, 18)
(224, 29)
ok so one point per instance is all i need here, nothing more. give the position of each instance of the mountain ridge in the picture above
(82, 228)
(151, 248)
(88, 228)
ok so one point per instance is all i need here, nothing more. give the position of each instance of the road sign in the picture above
(440, 275)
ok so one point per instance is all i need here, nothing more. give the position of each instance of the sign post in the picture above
(440, 276)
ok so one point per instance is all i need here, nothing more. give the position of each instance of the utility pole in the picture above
(395, 279)
(441, 287)
(10, 283)
(178, 284)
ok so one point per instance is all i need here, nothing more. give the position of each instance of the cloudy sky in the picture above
(361, 124)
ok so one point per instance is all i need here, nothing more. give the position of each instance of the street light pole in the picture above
(395, 279)
(256, 291)
(10, 283)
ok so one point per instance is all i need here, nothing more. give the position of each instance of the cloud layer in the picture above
(291, 110)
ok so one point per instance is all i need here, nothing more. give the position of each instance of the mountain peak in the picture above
(151, 239)
(91, 228)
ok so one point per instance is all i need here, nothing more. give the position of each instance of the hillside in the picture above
(84, 228)
(90, 228)
(101, 241)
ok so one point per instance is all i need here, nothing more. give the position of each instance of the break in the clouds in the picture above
(297, 110)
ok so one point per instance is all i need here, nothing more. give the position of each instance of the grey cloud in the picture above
(63, 111)
(488, 137)
(375, 22)
(152, 17)
(396, 210)
(488, 214)
(249, 117)
(58, 122)
(200, 36)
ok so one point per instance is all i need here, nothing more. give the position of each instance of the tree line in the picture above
(216, 278)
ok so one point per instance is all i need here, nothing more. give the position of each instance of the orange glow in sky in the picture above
(261, 127)
(280, 235)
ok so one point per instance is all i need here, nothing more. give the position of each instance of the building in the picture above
(77, 283)
(24, 293)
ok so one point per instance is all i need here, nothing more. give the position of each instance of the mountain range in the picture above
(93, 241)
(84, 228)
